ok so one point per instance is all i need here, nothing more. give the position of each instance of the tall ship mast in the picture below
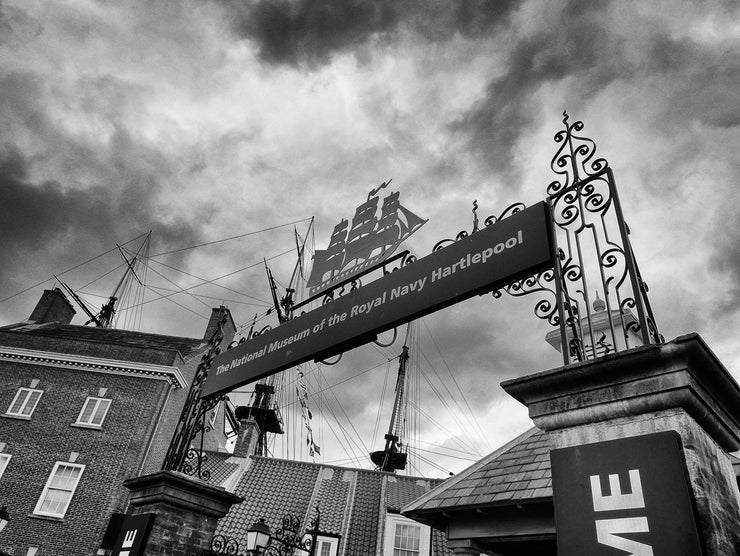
(393, 457)
(131, 275)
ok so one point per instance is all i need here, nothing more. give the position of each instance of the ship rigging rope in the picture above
(474, 459)
(345, 413)
(382, 400)
(473, 446)
(62, 273)
(452, 411)
(465, 448)
(232, 237)
(349, 441)
(264, 303)
(183, 290)
(153, 288)
(434, 464)
(462, 395)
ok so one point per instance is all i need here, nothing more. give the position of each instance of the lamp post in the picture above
(262, 542)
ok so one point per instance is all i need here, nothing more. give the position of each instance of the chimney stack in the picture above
(229, 328)
(53, 307)
(246, 442)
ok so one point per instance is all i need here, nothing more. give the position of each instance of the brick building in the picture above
(81, 410)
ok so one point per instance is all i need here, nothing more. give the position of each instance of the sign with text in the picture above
(625, 496)
(133, 535)
(513, 248)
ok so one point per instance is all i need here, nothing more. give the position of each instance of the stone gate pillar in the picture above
(678, 386)
(187, 511)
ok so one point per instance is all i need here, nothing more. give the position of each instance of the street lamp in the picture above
(258, 536)
(4, 517)
(286, 541)
(262, 542)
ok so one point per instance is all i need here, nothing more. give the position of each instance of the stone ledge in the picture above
(180, 491)
(683, 373)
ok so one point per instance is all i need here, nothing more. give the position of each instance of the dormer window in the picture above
(93, 412)
(326, 546)
(24, 403)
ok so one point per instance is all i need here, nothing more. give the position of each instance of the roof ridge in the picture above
(342, 468)
(464, 474)
(41, 327)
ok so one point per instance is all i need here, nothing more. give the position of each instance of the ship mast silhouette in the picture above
(104, 317)
(263, 407)
(393, 457)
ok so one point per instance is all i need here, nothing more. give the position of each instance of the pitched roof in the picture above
(83, 340)
(515, 473)
(352, 502)
(219, 466)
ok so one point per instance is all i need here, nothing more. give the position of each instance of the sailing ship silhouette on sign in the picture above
(369, 241)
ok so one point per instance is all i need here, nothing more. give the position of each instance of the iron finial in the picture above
(565, 117)
(475, 215)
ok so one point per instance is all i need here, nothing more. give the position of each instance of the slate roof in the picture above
(353, 502)
(72, 339)
(516, 473)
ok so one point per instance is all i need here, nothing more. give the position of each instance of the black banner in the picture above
(625, 496)
(513, 248)
(133, 535)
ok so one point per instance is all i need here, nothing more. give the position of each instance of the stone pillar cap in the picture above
(181, 491)
(682, 373)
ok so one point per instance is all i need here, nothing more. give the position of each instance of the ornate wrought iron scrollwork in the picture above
(591, 232)
(221, 544)
(181, 455)
(508, 211)
(489, 221)
(545, 309)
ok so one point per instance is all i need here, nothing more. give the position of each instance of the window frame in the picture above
(333, 543)
(37, 510)
(392, 520)
(28, 393)
(90, 424)
(4, 462)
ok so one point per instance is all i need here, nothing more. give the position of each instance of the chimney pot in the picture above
(229, 328)
(53, 307)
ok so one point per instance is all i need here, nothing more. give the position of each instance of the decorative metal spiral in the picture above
(543, 282)
(221, 544)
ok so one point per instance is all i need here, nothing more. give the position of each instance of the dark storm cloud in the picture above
(16, 26)
(725, 241)
(578, 44)
(91, 195)
(706, 80)
(586, 50)
(47, 220)
(309, 32)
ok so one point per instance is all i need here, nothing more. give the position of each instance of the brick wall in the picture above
(177, 532)
(110, 455)
(169, 417)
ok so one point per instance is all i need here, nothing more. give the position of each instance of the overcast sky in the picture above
(202, 120)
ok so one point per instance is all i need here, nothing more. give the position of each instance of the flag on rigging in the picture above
(302, 393)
